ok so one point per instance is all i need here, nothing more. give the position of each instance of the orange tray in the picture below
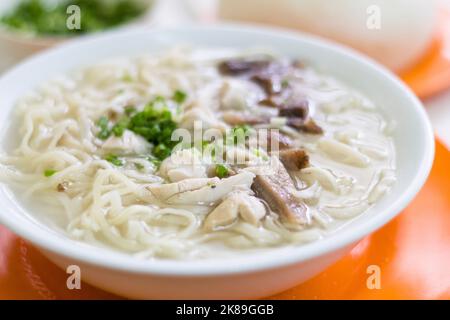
(431, 75)
(412, 251)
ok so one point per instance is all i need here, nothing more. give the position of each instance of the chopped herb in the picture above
(221, 171)
(285, 83)
(130, 110)
(154, 161)
(155, 124)
(103, 125)
(179, 96)
(119, 128)
(49, 172)
(238, 134)
(114, 160)
(127, 78)
(139, 166)
(205, 143)
(161, 151)
(260, 155)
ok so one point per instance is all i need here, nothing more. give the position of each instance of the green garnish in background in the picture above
(38, 17)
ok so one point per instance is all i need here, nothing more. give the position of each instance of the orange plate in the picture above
(432, 74)
(412, 252)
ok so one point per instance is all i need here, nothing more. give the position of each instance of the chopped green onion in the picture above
(103, 125)
(154, 123)
(129, 110)
(49, 172)
(285, 83)
(221, 171)
(238, 134)
(119, 128)
(154, 161)
(179, 96)
(114, 160)
(139, 166)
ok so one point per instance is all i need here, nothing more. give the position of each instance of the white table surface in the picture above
(174, 12)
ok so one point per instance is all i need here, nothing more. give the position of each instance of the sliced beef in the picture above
(272, 78)
(294, 159)
(275, 188)
(236, 67)
(277, 140)
(271, 84)
(239, 118)
(297, 110)
(277, 100)
(308, 126)
(270, 75)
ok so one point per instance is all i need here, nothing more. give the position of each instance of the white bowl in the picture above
(245, 276)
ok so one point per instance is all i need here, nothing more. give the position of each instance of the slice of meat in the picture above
(295, 108)
(294, 159)
(277, 141)
(235, 67)
(275, 188)
(308, 126)
(271, 83)
(271, 77)
(238, 118)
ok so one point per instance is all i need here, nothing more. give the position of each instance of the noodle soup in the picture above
(199, 153)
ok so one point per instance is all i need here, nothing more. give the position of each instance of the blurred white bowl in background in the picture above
(404, 34)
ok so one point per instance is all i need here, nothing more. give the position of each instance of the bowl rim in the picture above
(110, 259)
